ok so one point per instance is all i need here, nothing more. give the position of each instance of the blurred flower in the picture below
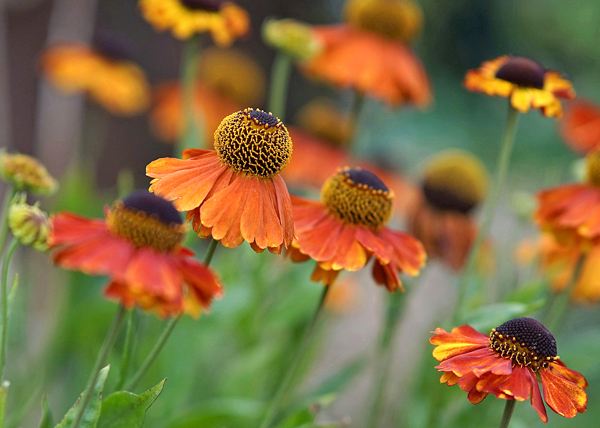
(525, 81)
(369, 54)
(224, 20)
(324, 120)
(454, 183)
(343, 297)
(507, 363)
(234, 193)
(580, 127)
(348, 227)
(26, 173)
(104, 71)
(291, 37)
(28, 223)
(139, 247)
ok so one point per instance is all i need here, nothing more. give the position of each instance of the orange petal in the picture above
(563, 396)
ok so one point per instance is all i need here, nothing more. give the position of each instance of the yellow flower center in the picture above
(393, 19)
(207, 5)
(592, 163)
(147, 220)
(526, 342)
(522, 71)
(358, 197)
(325, 120)
(253, 142)
(455, 180)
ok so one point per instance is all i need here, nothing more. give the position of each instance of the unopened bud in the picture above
(26, 173)
(294, 38)
(28, 223)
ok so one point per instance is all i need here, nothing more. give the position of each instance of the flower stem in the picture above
(192, 135)
(280, 77)
(490, 207)
(508, 411)
(559, 306)
(10, 193)
(285, 384)
(109, 341)
(355, 110)
(14, 244)
(127, 348)
(166, 333)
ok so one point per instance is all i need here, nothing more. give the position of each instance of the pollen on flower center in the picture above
(253, 142)
(522, 71)
(592, 163)
(358, 197)
(207, 5)
(526, 342)
(147, 220)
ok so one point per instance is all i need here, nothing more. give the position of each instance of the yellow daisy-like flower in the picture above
(184, 18)
(525, 81)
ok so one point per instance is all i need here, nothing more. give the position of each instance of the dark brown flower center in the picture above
(526, 342)
(446, 200)
(147, 220)
(208, 5)
(114, 45)
(358, 197)
(522, 71)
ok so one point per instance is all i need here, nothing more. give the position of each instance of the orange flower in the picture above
(139, 247)
(104, 71)
(234, 193)
(225, 21)
(369, 54)
(525, 81)
(580, 127)
(348, 227)
(507, 364)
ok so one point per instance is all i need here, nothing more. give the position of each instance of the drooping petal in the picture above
(563, 396)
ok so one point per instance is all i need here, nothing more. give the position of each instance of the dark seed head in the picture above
(445, 200)
(263, 117)
(114, 45)
(208, 5)
(152, 205)
(522, 71)
(366, 178)
(531, 334)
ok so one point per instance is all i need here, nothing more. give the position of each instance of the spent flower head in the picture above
(26, 173)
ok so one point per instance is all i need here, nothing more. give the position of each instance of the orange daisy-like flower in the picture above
(234, 193)
(105, 72)
(139, 247)
(580, 127)
(369, 54)
(348, 227)
(225, 21)
(525, 81)
(507, 364)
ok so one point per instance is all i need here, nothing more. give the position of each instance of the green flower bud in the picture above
(26, 173)
(28, 223)
(293, 38)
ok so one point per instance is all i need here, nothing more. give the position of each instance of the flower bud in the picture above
(26, 173)
(28, 223)
(293, 38)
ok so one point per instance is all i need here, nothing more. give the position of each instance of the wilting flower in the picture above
(227, 81)
(507, 364)
(26, 173)
(347, 227)
(525, 81)
(139, 247)
(370, 54)
(454, 183)
(291, 37)
(225, 21)
(580, 127)
(104, 71)
(28, 223)
(234, 193)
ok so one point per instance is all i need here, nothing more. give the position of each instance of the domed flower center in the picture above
(393, 19)
(114, 45)
(358, 197)
(526, 342)
(522, 71)
(207, 5)
(147, 220)
(592, 163)
(455, 181)
(253, 142)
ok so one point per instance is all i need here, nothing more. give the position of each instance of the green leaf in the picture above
(92, 412)
(126, 410)
(46, 421)
(306, 415)
(339, 380)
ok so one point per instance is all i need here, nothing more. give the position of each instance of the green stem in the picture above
(3, 397)
(14, 244)
(109, 341)
(166, 333)
(285, 384)
(490, 207)
(127, 349)
(192, 134)
(10, 194)
(280, 77)
(559, 306)
(508, 411)
(355, 110)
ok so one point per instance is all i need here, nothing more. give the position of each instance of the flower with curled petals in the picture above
(580, 127)
(139, 247)
(234, 193)
(525, 81)
(508, 364)
(347, 228)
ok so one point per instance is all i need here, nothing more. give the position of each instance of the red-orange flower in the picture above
(234, 193)
(507, 364)
(139, 247)
(348, 227)
(580, 127)
(525, 81)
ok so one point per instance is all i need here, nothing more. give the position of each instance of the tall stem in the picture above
(127, 349)
(490, 207)
(192, 135)
(355, 110)
(280, 77)
(14, 244)
(508, 411)
(109, 341)
(559, 306)
(285, 384)
(10, 193)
